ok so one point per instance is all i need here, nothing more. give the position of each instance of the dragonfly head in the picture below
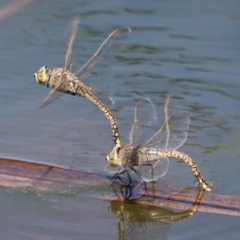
(42, 75)
(112, 158)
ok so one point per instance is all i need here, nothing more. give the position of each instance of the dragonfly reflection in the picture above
(136, 221)
(147, 154)
(62, 80)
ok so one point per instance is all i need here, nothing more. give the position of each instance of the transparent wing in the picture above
(95, 66)
(89, 70)
(153, 170)
(147, 230)
(172, 134)
(52, 96)
(102, 96)
(110, 169)
(113, 43)
(137, 230)
(145, 117)
(68, 58)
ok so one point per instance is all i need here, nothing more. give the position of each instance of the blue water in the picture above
(188, 50)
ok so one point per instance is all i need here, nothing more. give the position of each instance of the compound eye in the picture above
(41, 75)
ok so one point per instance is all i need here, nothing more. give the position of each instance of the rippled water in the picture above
(188, 50)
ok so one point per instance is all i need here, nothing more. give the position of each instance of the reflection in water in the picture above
(137, 221)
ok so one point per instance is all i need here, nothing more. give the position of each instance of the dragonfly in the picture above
(147, 152)
(63, 80)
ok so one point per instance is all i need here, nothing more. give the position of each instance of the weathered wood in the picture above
(211, 202)
(41, 177)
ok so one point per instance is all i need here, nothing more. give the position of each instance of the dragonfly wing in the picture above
(111, 170)
(68, 58)
(172, 134)
(144, 118)
(153, 170)
(52, 96)
(113, 43)
(102, 96)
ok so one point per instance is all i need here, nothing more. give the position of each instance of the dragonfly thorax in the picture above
(64, 81)
(129, 156)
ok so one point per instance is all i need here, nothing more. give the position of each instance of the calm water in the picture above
(186, 49)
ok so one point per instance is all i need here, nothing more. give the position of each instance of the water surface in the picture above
(188, 50)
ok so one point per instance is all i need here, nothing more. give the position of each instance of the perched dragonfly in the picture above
(62, 80)
(147, 154)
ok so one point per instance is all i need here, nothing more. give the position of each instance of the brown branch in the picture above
(41, 177)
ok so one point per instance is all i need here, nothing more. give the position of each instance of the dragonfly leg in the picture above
(128, 192)
(115, 177)
(153, 190)
(145, 164)
(115, 191)
(145, 184)
(129, 178)
(118, 176)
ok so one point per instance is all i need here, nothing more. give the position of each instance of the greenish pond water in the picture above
(188, 50)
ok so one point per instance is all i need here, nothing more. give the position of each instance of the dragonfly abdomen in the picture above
(190, 163)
